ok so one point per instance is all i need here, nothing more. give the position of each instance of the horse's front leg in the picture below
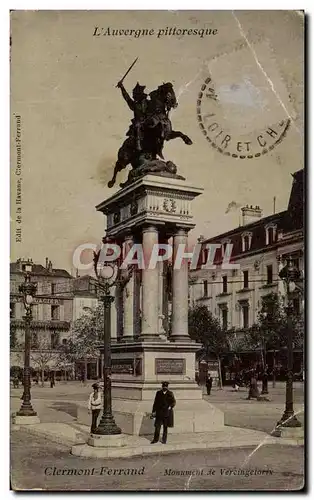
(118, 167)
(174, 134)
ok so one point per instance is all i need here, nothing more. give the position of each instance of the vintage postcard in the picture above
(157, 250)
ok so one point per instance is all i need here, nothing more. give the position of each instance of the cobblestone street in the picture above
(38, 464)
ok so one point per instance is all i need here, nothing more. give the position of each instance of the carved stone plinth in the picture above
(151, 199)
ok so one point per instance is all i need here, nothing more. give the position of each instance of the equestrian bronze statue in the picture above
(149, 129)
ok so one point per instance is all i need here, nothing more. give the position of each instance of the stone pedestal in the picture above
(21, 420)
(151, 211)
(111, 441)
(289, 432)
(100, 447)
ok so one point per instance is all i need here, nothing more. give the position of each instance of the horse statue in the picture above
(150, 128)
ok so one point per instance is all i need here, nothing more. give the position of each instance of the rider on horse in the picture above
(149, 129)
(138, 105)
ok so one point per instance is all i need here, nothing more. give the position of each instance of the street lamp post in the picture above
(265, 381)
(107, 278)
(28, 289)
(265, 367)
(289, 274)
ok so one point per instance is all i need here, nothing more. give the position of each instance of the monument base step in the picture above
(134, 417)
(144, 391)
(107, 441)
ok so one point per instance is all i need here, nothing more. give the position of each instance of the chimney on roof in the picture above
(49, 266)
(251, 214)
(201, 238)
(47, 262)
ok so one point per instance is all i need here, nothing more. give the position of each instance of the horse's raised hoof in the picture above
(110, 183)
(187, 140)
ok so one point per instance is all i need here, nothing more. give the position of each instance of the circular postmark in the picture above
(241, 143)
(233, 119)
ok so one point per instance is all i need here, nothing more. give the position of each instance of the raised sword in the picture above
(128, 71)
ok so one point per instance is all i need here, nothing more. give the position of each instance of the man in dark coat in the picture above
(163, 412)
(209, 383)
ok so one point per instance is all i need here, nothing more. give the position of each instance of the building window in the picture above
(224, 313)
(296, 262)
(55, 312)
(54, 340)
(204, 255)
(53, 288)
(270, 234)
(224, 284)
(245, 315)
(245, 279)
(246, 241)
(205, 288)
(269, 274)
(224, 244)
(64, 341)
(34, 341)
(12, 310)
(296, 305)
(35, 312)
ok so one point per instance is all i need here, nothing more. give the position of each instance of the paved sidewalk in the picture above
(73, 434)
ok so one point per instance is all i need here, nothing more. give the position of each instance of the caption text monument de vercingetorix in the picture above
(159, 33)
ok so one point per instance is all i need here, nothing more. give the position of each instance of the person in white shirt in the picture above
(94, 406)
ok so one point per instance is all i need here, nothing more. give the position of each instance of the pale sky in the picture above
(73, 119)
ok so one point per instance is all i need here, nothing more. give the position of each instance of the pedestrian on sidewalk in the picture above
(15, 382)
(94, 406)
(237, 383)
(163, 412)
(209, 384)
(253, 389)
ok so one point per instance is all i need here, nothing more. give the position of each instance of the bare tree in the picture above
(44, 357)
(84, 339)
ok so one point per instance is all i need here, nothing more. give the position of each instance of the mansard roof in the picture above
(287, 221)
(39, 270)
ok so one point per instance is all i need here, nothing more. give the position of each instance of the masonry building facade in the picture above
(260, 247)
(59, 301)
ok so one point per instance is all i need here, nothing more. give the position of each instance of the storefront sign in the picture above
(38, 300)
(212, 366)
